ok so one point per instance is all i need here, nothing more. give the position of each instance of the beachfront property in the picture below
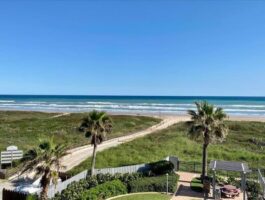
(132, 100)
(149, 140)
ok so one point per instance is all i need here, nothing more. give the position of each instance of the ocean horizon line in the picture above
(114, 95)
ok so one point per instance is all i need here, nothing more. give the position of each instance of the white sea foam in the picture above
(245, 106)
(129, 106)
(243, 110)
(7, 101)
(98, 102)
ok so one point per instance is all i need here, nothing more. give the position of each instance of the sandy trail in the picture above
(60, 115)
(78, 155)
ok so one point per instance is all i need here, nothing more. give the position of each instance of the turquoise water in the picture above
(130, 104)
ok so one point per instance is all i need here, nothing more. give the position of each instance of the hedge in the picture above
(196, 185)
(253, 190)
(75, 190)
(154, 184)
(161, 167)
(105, 190)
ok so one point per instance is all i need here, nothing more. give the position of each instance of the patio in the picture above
(229, 191)
(185, 192)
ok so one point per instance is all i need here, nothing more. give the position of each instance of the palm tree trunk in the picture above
(45, 187)
(94, 159)
(204, 161)
(44, 193)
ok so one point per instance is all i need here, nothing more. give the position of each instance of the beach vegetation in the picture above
(24, 129)
(174, 141)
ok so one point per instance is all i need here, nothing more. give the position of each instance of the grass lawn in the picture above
(24, 129)
(174, 141)
(145, 197)
(196, 185)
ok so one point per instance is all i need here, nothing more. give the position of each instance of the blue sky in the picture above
(132, 47)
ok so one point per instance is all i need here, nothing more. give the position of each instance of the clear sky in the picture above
(132, 47)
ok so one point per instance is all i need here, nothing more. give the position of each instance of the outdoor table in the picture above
(230, 191)
(229, 187)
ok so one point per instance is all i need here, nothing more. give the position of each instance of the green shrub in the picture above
(196, 185)
(32, 197)
(253, 190)
(233, 181)
(105, 190)
(161, 167)
(220, 179)
(74, 191)
(154, 184)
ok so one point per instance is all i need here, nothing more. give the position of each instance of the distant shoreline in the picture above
(155, 115)
(141, 105)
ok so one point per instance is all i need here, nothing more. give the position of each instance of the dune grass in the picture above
(174, 141)
(25, 129)
(144, 197)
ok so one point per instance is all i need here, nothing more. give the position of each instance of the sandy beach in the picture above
(186, 117)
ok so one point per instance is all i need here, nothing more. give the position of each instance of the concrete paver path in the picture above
(184, 191)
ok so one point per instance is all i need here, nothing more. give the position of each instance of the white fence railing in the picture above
(122, 170)
(262, 183)
(63, 185)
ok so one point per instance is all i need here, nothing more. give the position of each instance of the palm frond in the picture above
(207, 122)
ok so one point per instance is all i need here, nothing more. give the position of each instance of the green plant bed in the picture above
(154, 184)
(144, 197)
(196, 185)
(105, 190)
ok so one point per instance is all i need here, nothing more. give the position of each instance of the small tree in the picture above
(45, 161)
(207, 123)
(96, 125)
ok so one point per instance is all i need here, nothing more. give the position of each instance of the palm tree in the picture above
(207, 123)
(45, 161)
(97, 125)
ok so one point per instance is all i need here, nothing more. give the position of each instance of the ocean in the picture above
(173, 105)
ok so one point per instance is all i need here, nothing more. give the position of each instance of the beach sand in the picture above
(186, 117)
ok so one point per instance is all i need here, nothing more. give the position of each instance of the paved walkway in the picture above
(184, 191)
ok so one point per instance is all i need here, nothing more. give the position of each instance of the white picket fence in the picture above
(134, 168)
(122, 170)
